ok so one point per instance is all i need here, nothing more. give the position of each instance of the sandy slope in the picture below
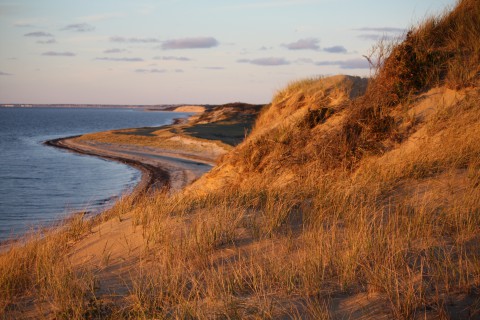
(114, 246)
(197, 109)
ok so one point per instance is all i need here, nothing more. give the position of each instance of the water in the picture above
(41, 184)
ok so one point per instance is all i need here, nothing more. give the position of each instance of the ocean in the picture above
(40, 185)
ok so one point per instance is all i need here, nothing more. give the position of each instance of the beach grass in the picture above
(349, 199)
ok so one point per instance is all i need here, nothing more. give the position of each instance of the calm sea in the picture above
(41, 184)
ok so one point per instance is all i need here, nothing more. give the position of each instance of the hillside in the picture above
(348, 199)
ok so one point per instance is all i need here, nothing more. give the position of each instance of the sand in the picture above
(196, 109)
(160, 167)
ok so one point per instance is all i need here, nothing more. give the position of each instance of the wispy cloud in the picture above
(38, 34)
(270, 61)
(114, 50)
(28, 23)
(378, 33)
(58, 54)
(377, 36)
(346, 64)
(382, 29)
(371, 36)
(120, 59)
(150, 70)
(49, 41)
(335, 49)
(190, 43)
(78, 27)
(167, 58)
(134, 40)
(5, 73)
(303, 44)
(214, 68)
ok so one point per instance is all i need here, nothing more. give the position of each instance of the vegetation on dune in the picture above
(348, 199)
(443, 51)
(229, 123)
(220, 127)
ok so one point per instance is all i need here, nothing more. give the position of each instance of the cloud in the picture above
(371, 36)
(119, 59)
(303, 44)
(134, 40)
(179, 70)
(29, 23)
(346, 64)
(335, 49)
(378, 33)
(214, 68)
(150, 70)
(49, 41)
(5, 73)
(270, 61)
(190, 43)
(79, 27)
(382, 29)
(38, 34)
(58, 54)
(376, 37)
(114, 50)
(172, 58)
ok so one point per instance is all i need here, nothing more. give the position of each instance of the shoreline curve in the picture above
(152, 176)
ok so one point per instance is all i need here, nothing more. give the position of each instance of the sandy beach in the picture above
(160, 168)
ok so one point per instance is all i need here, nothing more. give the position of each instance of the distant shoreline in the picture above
(159, 107)
(146, 107)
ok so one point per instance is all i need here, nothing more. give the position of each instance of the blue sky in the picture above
(187, 51)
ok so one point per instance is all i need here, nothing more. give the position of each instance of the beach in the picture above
(159, 168)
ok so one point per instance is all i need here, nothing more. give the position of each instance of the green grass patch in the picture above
(228, 132)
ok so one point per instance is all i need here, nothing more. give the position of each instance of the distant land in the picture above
(166, 107)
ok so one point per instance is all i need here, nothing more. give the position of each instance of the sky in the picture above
(188, 51)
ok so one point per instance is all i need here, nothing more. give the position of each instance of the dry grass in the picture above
(38, 272)
(255, 253)
(339, 209)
